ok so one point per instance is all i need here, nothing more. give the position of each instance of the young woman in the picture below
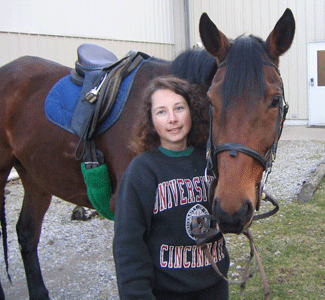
(163, 188)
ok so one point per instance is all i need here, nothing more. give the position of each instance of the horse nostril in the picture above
(246, 211)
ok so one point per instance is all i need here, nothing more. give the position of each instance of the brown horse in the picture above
(44, 154)
(245, 101)
(248, 109)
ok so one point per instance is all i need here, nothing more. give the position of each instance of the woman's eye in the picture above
(275, 102)
(160, 112)
(179, 108)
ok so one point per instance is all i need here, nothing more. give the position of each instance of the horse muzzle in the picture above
(236, 222)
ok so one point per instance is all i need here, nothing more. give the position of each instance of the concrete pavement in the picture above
(303, 133)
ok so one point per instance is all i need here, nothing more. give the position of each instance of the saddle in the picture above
(100, 74)
(91, 57)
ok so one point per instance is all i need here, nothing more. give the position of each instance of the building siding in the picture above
(45, 29)
(63, 49)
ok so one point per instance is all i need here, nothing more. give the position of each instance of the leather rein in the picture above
(202, 231)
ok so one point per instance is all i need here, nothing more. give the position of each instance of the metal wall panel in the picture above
(64, 49)
(45, 29)
(141, 20)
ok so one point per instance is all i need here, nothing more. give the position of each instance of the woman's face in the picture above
(171, 118)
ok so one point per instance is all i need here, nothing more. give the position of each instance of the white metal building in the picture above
(164, 28)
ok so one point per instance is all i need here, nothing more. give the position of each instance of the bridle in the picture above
(205, 233)
(266, 161)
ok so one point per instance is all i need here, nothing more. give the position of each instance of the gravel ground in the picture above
(76, 256)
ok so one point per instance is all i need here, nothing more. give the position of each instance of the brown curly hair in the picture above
(145, 138)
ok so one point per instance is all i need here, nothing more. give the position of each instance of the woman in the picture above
(163, 188)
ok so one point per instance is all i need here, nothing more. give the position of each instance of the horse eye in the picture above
(275, 101)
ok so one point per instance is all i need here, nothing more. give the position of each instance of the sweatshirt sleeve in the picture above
(134, 268)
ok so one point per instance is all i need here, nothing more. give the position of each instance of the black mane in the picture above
(244, 78)
(196, 66)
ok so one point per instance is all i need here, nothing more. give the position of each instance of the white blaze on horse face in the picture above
(171, 118)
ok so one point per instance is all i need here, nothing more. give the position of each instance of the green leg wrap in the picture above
(99, 189)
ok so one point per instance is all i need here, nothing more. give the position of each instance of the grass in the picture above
(291, 245)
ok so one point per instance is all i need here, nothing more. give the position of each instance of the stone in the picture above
(309, 187)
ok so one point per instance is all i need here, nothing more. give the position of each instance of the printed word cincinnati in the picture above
(176, 257)
(176, 192)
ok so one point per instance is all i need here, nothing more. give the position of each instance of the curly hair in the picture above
(145, 138)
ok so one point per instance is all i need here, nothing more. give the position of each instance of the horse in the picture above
(248, 110)
(245, 95)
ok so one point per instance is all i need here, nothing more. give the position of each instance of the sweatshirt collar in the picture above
(186, 152)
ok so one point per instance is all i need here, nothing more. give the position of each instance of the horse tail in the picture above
(4, 237)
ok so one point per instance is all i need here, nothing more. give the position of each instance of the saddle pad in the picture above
(62, 100)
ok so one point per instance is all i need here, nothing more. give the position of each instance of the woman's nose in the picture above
(172, 117)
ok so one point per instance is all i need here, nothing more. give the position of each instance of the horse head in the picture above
(248, 110)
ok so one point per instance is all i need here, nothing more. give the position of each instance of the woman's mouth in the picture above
(175, 130)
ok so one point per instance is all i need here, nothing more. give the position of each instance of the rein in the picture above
(203, 232)
(198, 224)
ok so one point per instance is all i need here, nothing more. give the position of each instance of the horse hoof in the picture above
(79, 213)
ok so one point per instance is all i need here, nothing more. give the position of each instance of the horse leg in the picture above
(6, 163)
(35, 204)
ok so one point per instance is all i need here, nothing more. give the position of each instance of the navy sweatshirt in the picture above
(153, 245)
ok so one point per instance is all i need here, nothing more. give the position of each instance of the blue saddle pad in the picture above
(62, 100)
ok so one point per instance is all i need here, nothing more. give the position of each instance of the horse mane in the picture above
(196, 66)
(244, 74)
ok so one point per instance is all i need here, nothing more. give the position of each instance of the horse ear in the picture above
(281, 37)
(214, 41)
